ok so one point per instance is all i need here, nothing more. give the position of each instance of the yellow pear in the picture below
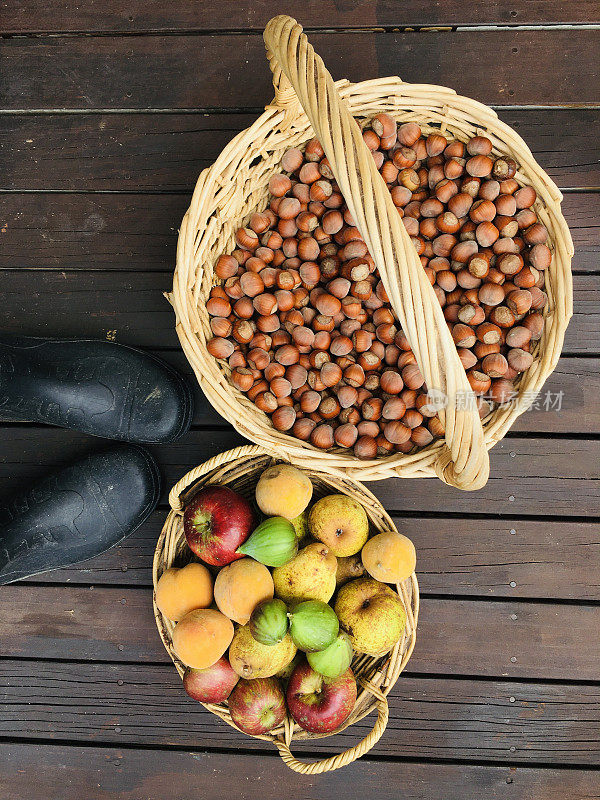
(308, 576)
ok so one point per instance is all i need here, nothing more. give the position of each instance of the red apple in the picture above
(216, 522)
(257, 706)
(211, 685)
(320, 704)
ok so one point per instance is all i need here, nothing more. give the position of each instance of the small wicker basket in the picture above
(307, 103)
(240, 469)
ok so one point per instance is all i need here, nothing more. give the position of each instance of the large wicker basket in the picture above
(240, 469)
(308, 102)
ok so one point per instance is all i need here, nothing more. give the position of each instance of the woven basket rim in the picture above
(217, 194)
(380, 673)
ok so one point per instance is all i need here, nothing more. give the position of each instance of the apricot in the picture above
(283, 491)
(201, 637)
(240, 587)
(389, 557)
(180, 591)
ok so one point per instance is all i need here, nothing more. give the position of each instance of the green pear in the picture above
(340, 522)
(308, 576)
(300, 524)
(372, 614)
(251, 659)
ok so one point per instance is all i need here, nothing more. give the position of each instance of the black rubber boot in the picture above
(78, 512)
(96, 387)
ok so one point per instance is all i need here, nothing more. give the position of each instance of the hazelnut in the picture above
(242, 379)
(396, 433)
(519, 359)
(479, 146)
(479, 166)
(519, 301)
(494, 365)
(502, 391)
(266, 401)
(394, 408)
(480, 382)
(346, 435)
(412, 377)
(220, 327)
(519, 336)
(421, 437)
(329, 408)
(322, 437)
(365, 448)
(287, 354)
(331, 374)
(283, 418)
(226, 267)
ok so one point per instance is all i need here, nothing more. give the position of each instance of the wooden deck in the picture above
(108, 111)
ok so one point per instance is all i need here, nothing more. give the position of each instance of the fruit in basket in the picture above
(300, 524)
(240, 587)
(319, 704)
(389, 557)
(313, 625)
(216, 522)
(180, 591)
(349, 568)
(273, 543)
(340, 522)
(269, 622)
(257, 706)
(251, 659)
(211, 685)
(372, 614)
(283, 491)
(335, 659)
(201, 637)
(308, 576)
(285, 674)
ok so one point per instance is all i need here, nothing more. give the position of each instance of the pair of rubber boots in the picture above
(102, 389)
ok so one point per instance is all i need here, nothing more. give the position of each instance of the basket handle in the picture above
(246, 451)
(348, 756)
(464, 461)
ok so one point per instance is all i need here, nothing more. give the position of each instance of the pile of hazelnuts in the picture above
(304, 322)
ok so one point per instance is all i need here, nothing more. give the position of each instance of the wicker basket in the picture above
(307, 103)
(240, 469)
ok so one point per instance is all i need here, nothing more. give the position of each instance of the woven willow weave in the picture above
(307, 103)
(240, 469)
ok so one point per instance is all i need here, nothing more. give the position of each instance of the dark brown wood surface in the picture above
(65, 772)
(252, 15)
(108, 112)
(530, 475)
(483, 720)
(546, 559)
(165, 152)
(456, 637)
(207, 72)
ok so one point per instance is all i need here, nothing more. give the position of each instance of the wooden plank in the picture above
(129, 307)
(139, 231)
(190, 72)
(141, 152)
(456, 637)
(529, 476)
(435, 718)
(63, 772)
(549, 559)
(252, 15)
